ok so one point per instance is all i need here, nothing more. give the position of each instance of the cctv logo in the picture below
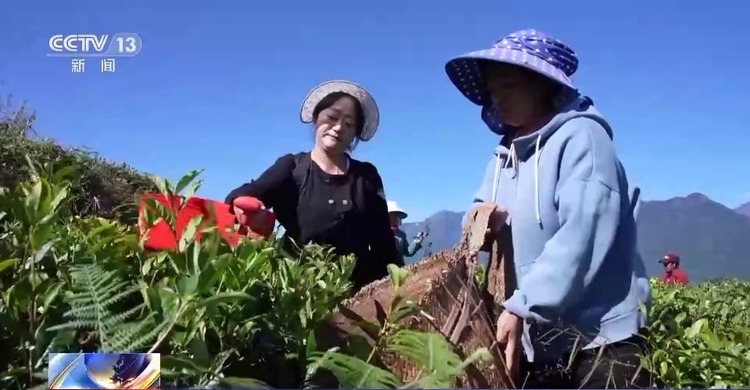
(78, 43)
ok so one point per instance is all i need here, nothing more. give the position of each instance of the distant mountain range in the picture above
(744, 209)
(712, 239)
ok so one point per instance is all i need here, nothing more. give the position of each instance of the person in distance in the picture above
(325, 196)
(581, 282)
(405, 249)
(673, 274)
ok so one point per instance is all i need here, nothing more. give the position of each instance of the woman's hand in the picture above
(509, 337)
(494, 225)
(245, 206)
(251, 213)
(497, 221)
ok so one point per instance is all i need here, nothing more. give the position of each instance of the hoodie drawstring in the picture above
(508, 160)
(511, 161)
(496, 180)
(536, 181)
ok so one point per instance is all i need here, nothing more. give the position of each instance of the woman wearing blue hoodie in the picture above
(578, 307)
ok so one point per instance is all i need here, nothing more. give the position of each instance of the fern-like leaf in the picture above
(432, 352)
(353, 372)
(93, 294)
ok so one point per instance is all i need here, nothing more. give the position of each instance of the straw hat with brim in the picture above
(530, 49)
(393, 208)
(369, 107)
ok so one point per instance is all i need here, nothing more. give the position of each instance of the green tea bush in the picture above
(97, 187)
(699, 336)
(219, 315)
(247, 316)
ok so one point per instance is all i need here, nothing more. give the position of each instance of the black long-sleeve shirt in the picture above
(348, 211)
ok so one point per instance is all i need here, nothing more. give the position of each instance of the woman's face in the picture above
(336, 125)
(517, 94)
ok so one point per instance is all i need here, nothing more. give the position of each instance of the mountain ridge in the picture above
(712, 239)
(744, 209)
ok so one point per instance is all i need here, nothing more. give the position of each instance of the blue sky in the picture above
(219, 86)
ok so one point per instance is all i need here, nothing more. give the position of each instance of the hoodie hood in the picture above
(527, 146)
(579, 108)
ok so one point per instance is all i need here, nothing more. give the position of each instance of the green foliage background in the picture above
(74, 277)
(219, 315)
(699, 336)
(100, 187)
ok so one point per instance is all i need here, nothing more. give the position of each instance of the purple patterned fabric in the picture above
(530, 49)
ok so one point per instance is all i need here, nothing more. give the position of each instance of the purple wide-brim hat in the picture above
(529, 49)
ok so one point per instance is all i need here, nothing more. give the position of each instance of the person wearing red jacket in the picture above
(673, 274)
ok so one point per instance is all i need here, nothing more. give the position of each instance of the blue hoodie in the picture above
(580, 278)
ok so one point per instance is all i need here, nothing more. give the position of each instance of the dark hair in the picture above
(329, 100)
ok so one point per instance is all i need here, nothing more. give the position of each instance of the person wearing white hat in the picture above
(397, 215)
(324, 196)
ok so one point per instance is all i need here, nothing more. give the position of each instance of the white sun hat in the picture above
(369, 107)
(394, 208)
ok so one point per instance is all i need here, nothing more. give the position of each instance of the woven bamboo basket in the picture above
(444, 287)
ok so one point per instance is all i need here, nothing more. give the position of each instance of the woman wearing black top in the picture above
(326, 197)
